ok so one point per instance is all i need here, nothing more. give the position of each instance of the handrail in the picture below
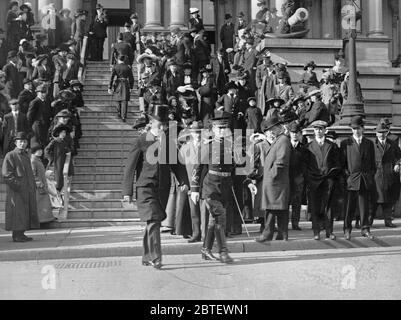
(83, 59)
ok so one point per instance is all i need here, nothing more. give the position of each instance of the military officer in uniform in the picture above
(149, 159)
(217, 186)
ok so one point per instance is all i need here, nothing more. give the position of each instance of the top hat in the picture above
(382, 128)
(21, 136)
(227, 16)
(193, 10)
(295, 127)
(319, 124)
(141, 122)
(160, 113)
(270, 123)
(357, 122)
(310, 64)
(57, 130)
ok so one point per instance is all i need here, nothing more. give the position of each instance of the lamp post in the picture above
(353, 106)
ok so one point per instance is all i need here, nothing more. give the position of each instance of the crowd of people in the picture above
(40, 99)
(240, 87)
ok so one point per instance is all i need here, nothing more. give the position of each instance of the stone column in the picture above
(254, 9)
(177, 13)
(328, 25)
(376, 29)
(153, 14)
(278, 5)
(41, 8)
(73, 5)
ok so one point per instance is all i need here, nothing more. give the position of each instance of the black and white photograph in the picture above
(199, 156)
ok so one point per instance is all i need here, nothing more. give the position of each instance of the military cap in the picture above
(320, 124)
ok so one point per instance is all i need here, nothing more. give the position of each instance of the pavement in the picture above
(127, 242)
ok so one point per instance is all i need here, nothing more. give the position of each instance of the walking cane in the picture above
(239, 210)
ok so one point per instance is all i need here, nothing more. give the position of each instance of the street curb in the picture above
(248, 246)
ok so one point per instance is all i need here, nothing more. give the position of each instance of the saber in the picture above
(239, 210)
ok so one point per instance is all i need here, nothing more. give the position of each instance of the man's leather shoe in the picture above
(225, 258)
(262, 239)
(347, 236)
(194, 240)
(331, 237)
(19, 239)
(28, 239)
(368, 235)
(296, 228)
(390, 225)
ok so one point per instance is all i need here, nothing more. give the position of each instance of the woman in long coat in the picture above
(21, 207)
(13, 31)
(207, 94)
(42, 195)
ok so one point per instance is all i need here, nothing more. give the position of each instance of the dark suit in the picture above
(153, 187)
(360, 169)
(227, 36)
(42, 74)
(39, 117)
(249, 64)
(318, 111)
(99, 29)
(219, 71)
(24, 99)
(229, 106)
(124, 81)
(323, 170)
(13, 80)
(10, 127)
(122, 48)
(129, 38)
(171, 83)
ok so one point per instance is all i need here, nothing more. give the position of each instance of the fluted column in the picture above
(254, 8)
(177, 13)
(376, 29)
(73, 5)
(153, 14)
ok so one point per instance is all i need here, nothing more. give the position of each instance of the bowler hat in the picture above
(160, 113)
(357, 122)
(382, 128)
(57, 130)
(227, 16)
(270, 123)
(331, 134)
(319, 124)
(21, 136)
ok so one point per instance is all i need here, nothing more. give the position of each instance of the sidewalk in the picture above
(127, 241)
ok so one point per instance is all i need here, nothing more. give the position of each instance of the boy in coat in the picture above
(359, 160)
(253, 116)
(21, 207)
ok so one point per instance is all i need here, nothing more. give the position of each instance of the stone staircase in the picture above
(95, 199)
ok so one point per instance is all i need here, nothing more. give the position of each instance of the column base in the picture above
(153, 26)
(350, 110)
(178, 25)
(377, 34)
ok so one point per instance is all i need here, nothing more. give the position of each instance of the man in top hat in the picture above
(387, 176)
(318, 109)
(221, 70)
(26, 96)
(359, 159)
(98, 30)
(13, 81)
(13, 122)
(149, 159)
(65, 25)
(123, 84)
(78, 29)
(324, 168)
(21, 206)
(249, 62)
(275, 192)
(195, 22)
(216, 186)
(122, 48)
(227, 34)
(298, 171)
(265, 82)
(39, 116)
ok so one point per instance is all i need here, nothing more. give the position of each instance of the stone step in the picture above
(108, 117)
(110, 206)
(97, 161)
(95, 87)
(94, 223)
(98, 177)
(86, 169)
(90, 146)
(96, 195)
(104, 126)
(97, 82)
(103, 154)
(111, 139)
(132, 107)
(90, 186)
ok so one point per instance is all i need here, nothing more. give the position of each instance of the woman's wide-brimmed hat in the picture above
(311, 64)
(58, 129)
